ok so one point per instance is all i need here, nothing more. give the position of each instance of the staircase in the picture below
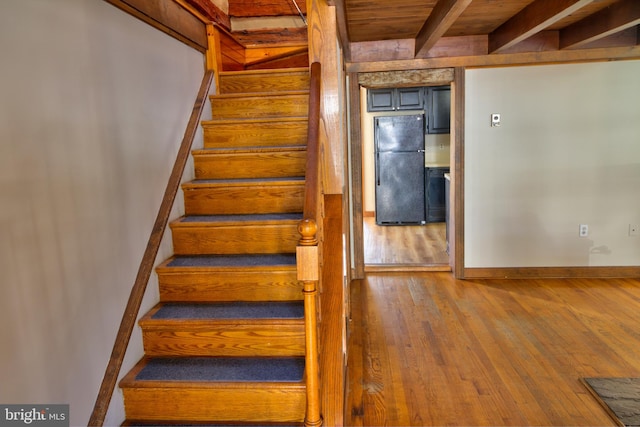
(226, 343)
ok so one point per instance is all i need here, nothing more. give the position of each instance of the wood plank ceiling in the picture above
(381, 30)
(437, 28)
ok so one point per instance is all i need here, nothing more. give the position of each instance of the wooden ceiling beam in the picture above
(532, 19)
(499, 60)
(257, 8)
(406, 78)
(443, 15)
(453, 48)
(608, 21)
(343, 28)
(273, 37)
(628, 37)
(210, 11)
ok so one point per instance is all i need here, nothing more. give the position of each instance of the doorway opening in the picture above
(421, 246)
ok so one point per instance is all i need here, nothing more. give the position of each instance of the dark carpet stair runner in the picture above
(222, 369)
(240, 260)
(225, 345)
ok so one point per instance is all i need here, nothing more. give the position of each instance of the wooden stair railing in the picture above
(146, 265)
(307, 252)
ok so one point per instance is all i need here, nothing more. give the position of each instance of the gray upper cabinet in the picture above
(410, 98)
(436, 101)
(380, 99)
(406, 98)
(439, 109)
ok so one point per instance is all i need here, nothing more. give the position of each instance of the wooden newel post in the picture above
(308, 274)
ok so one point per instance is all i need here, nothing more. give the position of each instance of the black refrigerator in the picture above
(399, 158)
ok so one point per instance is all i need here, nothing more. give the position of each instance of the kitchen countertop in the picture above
(436, 165)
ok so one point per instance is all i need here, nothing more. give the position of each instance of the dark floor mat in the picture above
(619, 396)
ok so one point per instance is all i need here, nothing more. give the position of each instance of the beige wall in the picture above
(94, 105)
(567, 153)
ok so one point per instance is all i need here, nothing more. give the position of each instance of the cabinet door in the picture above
(439, 109)
(380, 100)
(436, 204)
(410, 98)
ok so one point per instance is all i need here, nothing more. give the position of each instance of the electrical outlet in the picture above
(584, 230)
(634, 230)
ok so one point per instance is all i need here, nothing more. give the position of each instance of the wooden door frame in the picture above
(427, 77)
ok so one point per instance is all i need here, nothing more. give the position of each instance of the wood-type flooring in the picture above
(429, 350)
(409, 245)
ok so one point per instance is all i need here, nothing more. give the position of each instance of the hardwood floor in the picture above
(429, 350)
(405, 244)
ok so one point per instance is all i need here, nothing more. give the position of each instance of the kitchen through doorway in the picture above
(407, 245)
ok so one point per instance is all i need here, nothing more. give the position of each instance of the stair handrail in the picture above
(146, 265)
(312, 175)
(307, 251)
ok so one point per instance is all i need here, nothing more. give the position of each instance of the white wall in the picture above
(567, 153)
(94, 106)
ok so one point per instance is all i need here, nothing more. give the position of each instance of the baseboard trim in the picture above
(404, 268)
(551, 272)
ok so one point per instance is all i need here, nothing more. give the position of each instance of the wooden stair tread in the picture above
(208, 278)
(268, 72)
(260, 104)
(224, 329)
(238, 106)
(244, 121)
(251, 162)
(252, 130)
(249, 150)
(211, 372)
(254, 81)
(236, 234)
(242, 182)
(226, 220)
(278, 94)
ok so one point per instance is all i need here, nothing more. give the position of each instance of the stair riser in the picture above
(244, 200)
(204, 286)
(178, 339)
(250, 107)
(251, 403)
(250, 165)
(256, 239)
(262, 82)
(255, 134)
